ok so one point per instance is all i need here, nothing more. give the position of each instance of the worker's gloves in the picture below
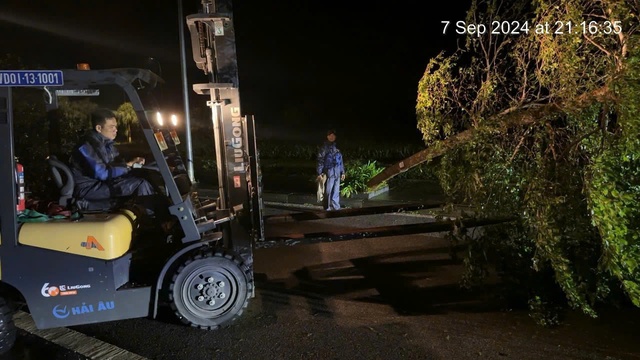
(137, 162)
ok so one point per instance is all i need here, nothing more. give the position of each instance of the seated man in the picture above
(97, 173)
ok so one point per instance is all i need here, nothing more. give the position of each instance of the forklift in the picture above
(104, 265)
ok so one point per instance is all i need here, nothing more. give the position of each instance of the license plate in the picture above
(31, 78)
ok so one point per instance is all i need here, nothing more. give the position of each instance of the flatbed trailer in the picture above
(425, 227)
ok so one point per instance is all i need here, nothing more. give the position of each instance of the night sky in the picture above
(304, 66)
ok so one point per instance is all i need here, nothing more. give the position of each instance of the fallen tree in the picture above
(544, 125)
(522, 116)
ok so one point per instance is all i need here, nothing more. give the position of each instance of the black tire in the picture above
(217, 276)
(8, 329)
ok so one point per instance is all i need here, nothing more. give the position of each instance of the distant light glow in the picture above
(174, 120)
(159, 118)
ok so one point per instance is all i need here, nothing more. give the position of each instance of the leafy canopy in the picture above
(545, 126)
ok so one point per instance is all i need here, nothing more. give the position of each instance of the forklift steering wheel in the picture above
(151, 166)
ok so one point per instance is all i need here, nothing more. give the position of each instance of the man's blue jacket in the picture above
(330, 160)
(93, 162)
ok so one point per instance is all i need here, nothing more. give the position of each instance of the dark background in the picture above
(304, 66)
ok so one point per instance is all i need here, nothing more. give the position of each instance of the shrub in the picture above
(358, 173)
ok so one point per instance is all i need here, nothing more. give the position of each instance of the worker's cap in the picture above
(331, 131)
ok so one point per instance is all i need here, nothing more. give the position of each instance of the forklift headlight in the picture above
(159, 118)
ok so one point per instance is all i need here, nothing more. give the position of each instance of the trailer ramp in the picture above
(372, 232)
(370, 210)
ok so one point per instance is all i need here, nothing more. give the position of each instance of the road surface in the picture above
(382, 298)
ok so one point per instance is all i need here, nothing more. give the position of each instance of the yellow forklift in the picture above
(105, 265)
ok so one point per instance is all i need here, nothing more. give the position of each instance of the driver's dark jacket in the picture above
(93, 164)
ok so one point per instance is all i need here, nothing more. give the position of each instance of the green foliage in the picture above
(30, 142)
(387, 153)
(613, 186)
(30, 137)
(544, 312)
(76, 117)
(364, 160)
(287, 150)
(358, 173)
(383, 153)
(127, 118)
(568, 163)
(434, 102)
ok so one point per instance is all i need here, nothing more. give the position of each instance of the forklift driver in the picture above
(96, 170)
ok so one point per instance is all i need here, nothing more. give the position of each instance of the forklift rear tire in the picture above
(210, 290)
(8, 329)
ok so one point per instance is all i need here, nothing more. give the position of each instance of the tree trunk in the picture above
(508, 119)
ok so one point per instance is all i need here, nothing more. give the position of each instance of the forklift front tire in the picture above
(210, 290)
(8, 329)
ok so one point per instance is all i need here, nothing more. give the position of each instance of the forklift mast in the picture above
(214, 52)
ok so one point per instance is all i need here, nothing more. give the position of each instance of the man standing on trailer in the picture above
(331, 165)
(97, 173)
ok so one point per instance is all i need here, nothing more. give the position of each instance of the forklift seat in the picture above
(63, 179)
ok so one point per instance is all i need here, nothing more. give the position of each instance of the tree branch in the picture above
(526, 115)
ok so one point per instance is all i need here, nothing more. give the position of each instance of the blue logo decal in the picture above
(60, 313)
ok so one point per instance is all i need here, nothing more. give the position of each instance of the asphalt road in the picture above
(382, 298)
